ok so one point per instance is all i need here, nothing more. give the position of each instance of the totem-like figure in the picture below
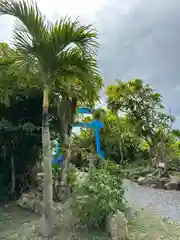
(95, 124)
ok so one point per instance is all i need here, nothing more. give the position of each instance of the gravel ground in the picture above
(163, 202)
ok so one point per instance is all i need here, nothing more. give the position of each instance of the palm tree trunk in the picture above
(47, 219)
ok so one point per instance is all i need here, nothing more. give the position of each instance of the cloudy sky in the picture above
(139, 39)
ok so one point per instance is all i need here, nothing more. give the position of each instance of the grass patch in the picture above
(148, 226)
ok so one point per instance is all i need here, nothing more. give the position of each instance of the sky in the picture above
(138, 39)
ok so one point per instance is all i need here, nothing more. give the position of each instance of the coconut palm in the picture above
(55, 53)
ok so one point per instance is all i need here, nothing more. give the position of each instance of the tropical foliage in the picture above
(56, 54)
(101, 194)
(50, 71)
(136, 127)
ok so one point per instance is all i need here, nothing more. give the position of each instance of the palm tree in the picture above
(74, 95)
(54, 52)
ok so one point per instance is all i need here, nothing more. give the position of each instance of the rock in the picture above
(158, 185)
(141, 180)
(130, 214)
(164, 180)
(116, 225)
(149, 176)
(150, 181)
(178, 185)
(154, 186)
(29, 202)
(33, 205)
(171, 185)
(38, 207)
(24, 203)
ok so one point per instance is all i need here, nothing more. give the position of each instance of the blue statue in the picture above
(84, 110)
(95, 124)
(57, 157)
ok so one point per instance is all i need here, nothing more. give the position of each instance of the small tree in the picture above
(143, 107)
(99, 195)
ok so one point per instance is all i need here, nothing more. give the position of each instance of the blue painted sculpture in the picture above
(84, 110)
(95, 124)
(57, 157)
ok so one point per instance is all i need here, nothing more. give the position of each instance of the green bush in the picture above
(71, 176)
(20, 141)
(112, 168)
(134, 173)
(99, 195)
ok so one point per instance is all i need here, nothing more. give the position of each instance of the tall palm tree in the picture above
(54, 52)
(66, 111)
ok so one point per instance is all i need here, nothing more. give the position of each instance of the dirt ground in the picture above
(17, 224)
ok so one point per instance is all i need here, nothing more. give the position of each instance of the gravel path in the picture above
(166, 203)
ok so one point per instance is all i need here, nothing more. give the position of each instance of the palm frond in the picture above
(25, 62)
(65, 49)
(65, 32)
(73, 62)
(77, 75)
(30, 33)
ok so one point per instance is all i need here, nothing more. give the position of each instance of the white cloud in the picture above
(55, 9)
(88, 11)
(58, 8)
(6, 23)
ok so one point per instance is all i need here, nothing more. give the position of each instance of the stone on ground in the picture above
(117, 226)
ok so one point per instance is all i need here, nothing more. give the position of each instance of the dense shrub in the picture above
(20, 142)
(111, 167)
(140, 171)
(99, 195)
